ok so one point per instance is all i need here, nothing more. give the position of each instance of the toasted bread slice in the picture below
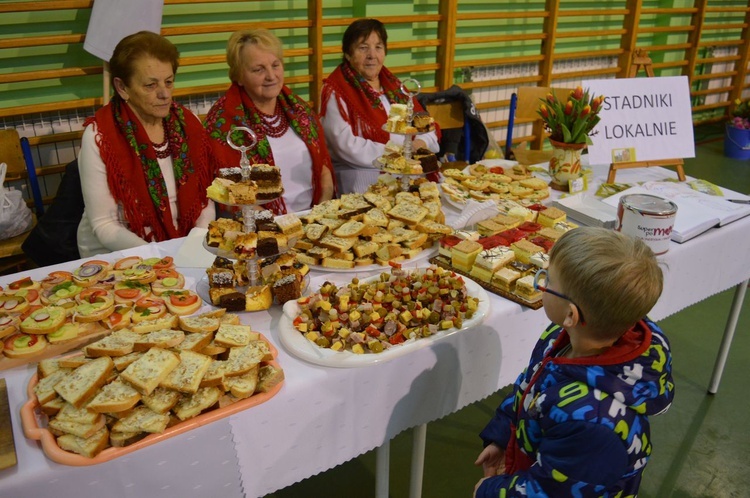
(231, 318)
(47, 367)
(168, 321)
(196, 341)
(186, 378)
(45, 388)
(159, 339)
(51, 408)
(199, 323)
(142, 419)
(161, 400)
(69, 413)
(241, 360)
(81, 384)
(337, 244)
(235, 335)
(268, 377)
(89, 446)
(242, 386)
(122, 439)
(122, 362)
(74, 361)
(119, 343)
(117, 396)
(349, 229)
(193, 405)
(338, 263)
(59, 427)
(408, 212)
(215, 374)
(147, 372)
(315, 231)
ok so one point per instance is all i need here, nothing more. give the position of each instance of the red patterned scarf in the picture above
(360, 105)
(135, 179)
(236, 108)
(364, 110)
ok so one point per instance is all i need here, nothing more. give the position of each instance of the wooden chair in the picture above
(12, 257)
(449, 115)
(526, 104)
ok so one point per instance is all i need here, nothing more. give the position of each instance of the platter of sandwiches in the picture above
(363, 232)
(67, 310)
(380, 318)
(129, 390)
(482, 183)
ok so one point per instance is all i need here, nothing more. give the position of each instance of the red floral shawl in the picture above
(364, 110)
(236, 108)
(360, 105)
(134, 177)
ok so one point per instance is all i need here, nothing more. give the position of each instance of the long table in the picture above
(325, 416)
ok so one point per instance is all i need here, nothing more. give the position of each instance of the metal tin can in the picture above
(648, 217)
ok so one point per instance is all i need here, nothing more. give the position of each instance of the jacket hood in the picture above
(636, 371)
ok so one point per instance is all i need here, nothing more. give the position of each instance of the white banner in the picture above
(642, 119)
(113, 20)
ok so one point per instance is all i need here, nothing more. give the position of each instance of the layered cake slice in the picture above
(268, 179)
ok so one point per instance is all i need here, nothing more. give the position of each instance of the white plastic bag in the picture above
(15, 215)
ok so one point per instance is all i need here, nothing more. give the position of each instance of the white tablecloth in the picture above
(325, 416)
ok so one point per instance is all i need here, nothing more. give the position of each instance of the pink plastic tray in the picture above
(31, 417)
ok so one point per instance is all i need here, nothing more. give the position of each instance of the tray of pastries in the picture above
(503, 253)
(231, 189)
(483, 183)
(362, 232)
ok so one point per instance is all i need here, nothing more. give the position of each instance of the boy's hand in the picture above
(492, 460)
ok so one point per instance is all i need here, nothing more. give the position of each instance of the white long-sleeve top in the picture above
(103, 227)
(353, 156)
(291, 155)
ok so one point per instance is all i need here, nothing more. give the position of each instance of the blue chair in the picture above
(36, 192)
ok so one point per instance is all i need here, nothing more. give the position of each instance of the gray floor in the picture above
(701, 446)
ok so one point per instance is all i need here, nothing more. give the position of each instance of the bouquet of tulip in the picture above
(571, 121)
(741, 114)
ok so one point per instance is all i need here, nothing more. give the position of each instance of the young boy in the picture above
(576, 423)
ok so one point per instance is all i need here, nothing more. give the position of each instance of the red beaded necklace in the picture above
(276, 124)
(164, 149)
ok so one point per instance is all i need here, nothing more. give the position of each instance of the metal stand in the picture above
(726, 341)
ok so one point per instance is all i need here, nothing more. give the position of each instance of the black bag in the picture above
(54, 239)
(452, 140)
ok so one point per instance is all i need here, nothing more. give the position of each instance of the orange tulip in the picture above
(544, 111)
(578, 93)
(568, 107)
(585, 111)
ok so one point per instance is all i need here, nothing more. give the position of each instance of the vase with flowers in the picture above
(737, 136)
(570, 124)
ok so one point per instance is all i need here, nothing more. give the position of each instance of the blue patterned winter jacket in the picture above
(579, 427)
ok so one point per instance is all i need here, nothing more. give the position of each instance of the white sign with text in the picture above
(642, 119)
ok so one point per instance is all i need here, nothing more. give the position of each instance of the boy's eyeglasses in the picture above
(541, 274)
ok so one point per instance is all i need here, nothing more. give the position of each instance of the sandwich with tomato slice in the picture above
(8, 324)
(13, 304)
(24, 283)
(148, 308)
(128, 292)
(23, 345)
(120, 317)
(62, 292)
(167, 279)
(56, 278)
(182, 302)
(94, 304)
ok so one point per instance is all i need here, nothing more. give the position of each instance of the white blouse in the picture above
(291, 155)
(353, 156)
(103, 228)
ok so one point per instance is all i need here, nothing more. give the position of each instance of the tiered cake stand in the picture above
(248, 210)
(408, 137)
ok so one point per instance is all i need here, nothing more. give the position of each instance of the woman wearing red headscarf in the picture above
(288, 130)
(354, 106)
(145, 160)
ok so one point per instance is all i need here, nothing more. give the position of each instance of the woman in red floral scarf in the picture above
(145, 160)
(354, 106)
(289, 132)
